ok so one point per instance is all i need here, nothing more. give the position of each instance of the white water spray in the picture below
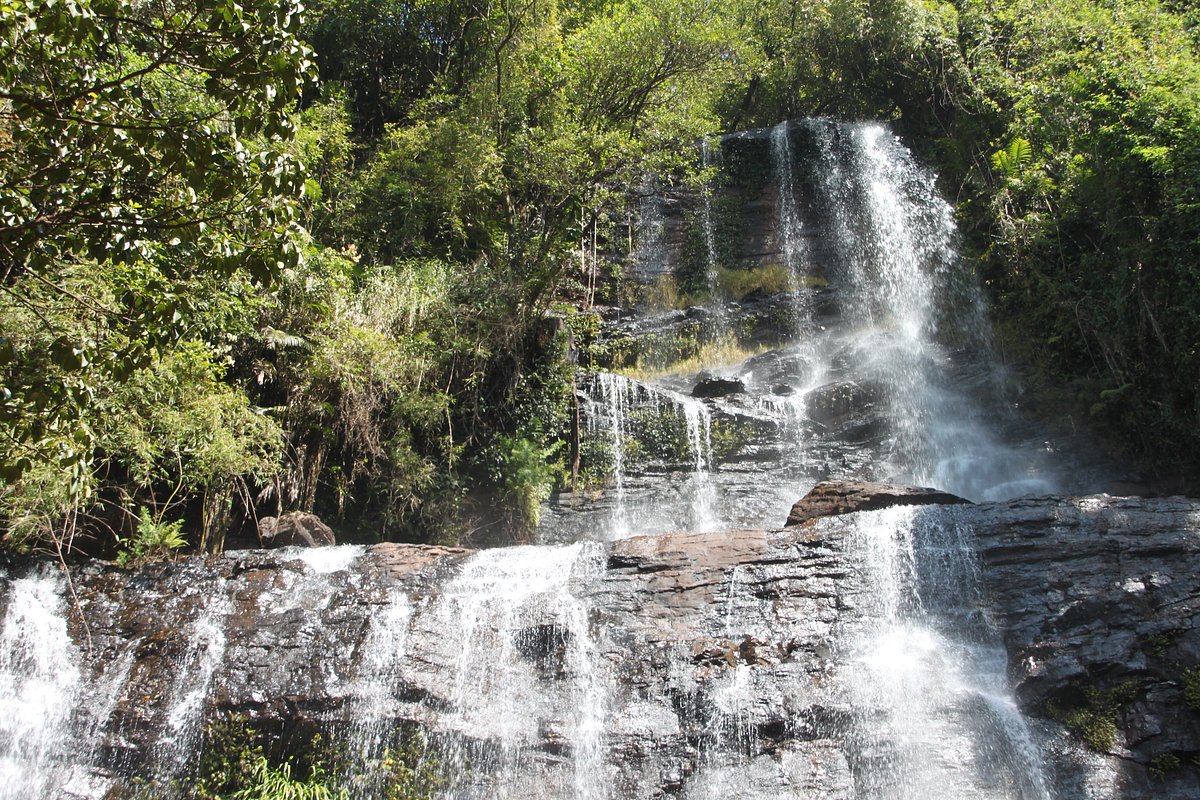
(926, 679)
(38, 681)
(517, 623)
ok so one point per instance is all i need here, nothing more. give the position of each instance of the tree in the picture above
(143, 149)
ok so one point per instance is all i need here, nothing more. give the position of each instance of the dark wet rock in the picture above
(718, 387)
(782, 390)
(1091, 595)
(295, 528)
(832, 498)
(775, 367)
(1098, 598)
(835, 404)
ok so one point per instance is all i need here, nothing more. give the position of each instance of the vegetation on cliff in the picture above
(230, 289)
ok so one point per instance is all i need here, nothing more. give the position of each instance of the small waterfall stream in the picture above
(516, 622)
(39, 675)
(926, 665)
(707, 161)
(193, 682)
(616, 409)
(790, 226)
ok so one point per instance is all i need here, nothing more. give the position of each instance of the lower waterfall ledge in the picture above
(833, 498)
(683, 665)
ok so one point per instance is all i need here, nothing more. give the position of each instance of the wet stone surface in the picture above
(709, 657)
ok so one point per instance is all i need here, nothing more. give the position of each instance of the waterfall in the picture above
(177, 745)
(615, 397)
(527, 667)
(902, 294)
(852, 658)
(926, 672)
(616, 409)
(787, 213)
(381, 657)
(39, 676)
(699, 435)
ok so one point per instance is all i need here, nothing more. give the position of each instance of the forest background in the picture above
(231, 287)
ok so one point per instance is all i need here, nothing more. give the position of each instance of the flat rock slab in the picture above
(832, 498)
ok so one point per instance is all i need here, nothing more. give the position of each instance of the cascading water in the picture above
(885, 372)
(383, 653)
(185, 715)
(907, 350)
(710, 237)
(699, 435)
(615, 396)
(526, 664)
(789, 224)
(925, 671)
(616, 410)
(894, 237)
(39, 674)
(871, 670)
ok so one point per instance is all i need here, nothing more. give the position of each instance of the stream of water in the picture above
(896, 383)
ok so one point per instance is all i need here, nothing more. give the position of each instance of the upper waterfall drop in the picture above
(862, 350)
(910, 322)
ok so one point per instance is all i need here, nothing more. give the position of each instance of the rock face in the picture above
(831, 498)
(835, 404)
(718, 387)
(695, 665)
(1099, 601)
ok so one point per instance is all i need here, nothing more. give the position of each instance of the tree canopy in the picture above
(230, 289)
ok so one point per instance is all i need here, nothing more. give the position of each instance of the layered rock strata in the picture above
(716, 661)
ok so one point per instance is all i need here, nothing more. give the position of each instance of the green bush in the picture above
(155, 538)
(266, 781)
(528, 473)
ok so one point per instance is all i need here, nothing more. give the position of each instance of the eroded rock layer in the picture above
(816, 661)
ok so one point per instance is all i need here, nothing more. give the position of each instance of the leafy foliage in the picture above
(171, 339)
(1012, 160)
(1095, 718)
(528, 475)
(413, 773)
(269, 782)
(142, 160)
(155, 538)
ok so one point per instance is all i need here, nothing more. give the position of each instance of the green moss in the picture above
(710, 355)
(1094, 719)
(1161, 764)
(769, 279)
(728, 437)
(1156, 645)
(1191, 688)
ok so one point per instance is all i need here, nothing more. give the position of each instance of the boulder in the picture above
(840, 402)
(845, 497)
(295, 528)
(718, 387)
